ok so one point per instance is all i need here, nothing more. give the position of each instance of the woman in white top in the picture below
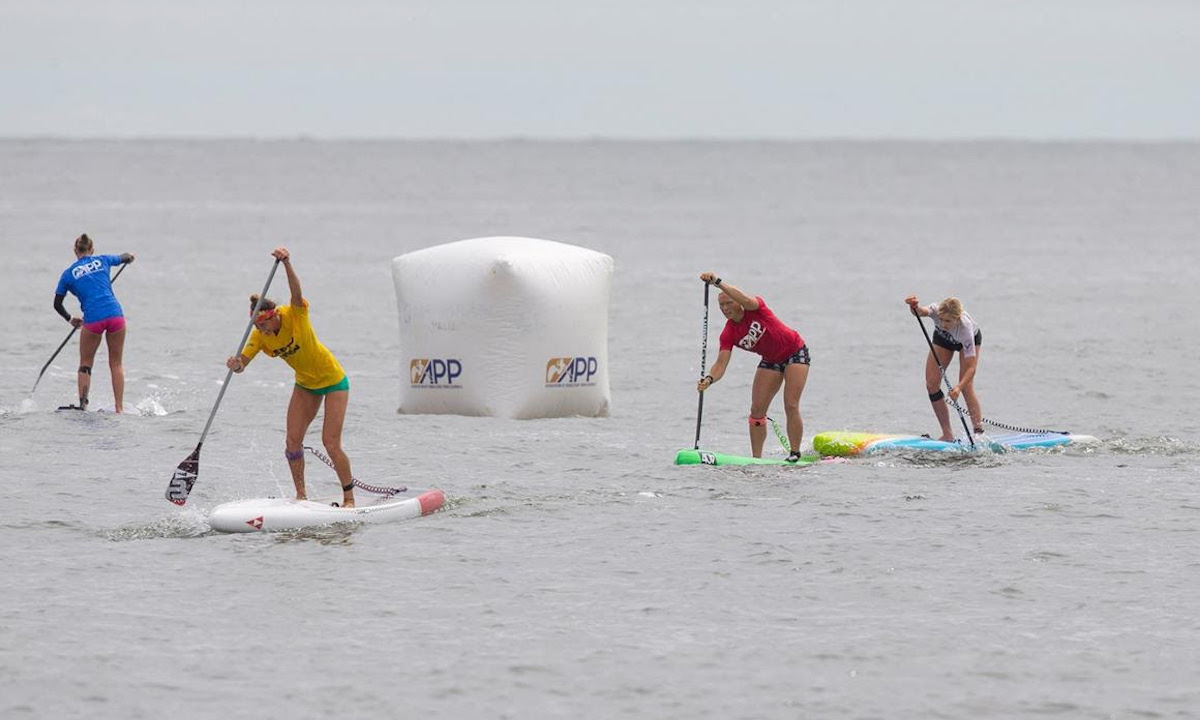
(954, 331)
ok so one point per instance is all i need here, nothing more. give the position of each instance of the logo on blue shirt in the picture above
(87, 268)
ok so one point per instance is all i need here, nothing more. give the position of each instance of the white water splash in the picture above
(150, 406)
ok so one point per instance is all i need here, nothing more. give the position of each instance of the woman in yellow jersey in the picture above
(285, 332)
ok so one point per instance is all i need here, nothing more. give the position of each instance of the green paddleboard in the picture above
(704, 457)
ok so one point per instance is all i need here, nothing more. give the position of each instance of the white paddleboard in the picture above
(272, 514)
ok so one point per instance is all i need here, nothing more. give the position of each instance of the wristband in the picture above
(717, 282)
(709, 378)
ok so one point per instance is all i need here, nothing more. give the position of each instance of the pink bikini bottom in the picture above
(112, 325)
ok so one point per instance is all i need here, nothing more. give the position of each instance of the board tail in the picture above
(844, 444)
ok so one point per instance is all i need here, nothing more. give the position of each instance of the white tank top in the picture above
(962, 331)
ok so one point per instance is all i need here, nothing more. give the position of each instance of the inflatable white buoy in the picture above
(504, 326)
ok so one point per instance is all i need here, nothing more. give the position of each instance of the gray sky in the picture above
(615, 68)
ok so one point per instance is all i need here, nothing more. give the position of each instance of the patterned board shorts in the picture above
(941, 338)
(800, 357)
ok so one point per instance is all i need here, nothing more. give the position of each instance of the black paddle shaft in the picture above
(945, 379)
(703, 365)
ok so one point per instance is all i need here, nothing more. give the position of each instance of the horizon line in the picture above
(632, 139)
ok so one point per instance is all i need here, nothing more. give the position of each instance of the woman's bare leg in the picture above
(331, 436)
(766, 385)
(88, 343)
(116, 351)
(301, 411)
(933, 383)
(969, 395)
(795, 376)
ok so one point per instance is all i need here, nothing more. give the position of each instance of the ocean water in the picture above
(576, 572)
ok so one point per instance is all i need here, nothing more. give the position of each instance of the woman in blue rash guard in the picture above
(88, 279)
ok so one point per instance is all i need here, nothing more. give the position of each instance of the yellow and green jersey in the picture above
(299, 347)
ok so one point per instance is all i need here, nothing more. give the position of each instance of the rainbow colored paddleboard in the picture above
(850, 444)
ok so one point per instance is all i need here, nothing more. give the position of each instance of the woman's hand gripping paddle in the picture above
(185, 475)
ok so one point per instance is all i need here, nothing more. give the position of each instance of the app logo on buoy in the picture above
(435, 372)
(577, 371)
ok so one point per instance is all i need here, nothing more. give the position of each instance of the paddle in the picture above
(69, 336)
(945, 379)
(185, 475)
(703, 365)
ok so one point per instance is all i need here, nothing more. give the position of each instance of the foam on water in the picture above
(150, 407)
(189, 523)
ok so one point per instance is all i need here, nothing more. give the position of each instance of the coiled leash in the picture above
(377, 489)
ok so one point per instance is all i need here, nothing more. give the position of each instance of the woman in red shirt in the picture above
(752, 326)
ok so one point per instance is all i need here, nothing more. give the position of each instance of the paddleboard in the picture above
(689, 456)
(273, 514)
(849, 444)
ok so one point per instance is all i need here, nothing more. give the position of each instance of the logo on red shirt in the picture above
(753, 334)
